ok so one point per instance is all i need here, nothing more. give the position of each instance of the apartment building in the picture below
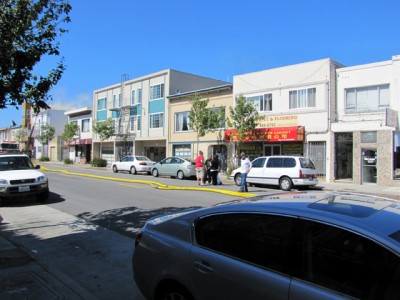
(183, 140)
(297, 105)
(54, 149)
(79, 149)
(139, 108)
(366, 136)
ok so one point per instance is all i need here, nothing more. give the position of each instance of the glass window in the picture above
(261, 102)
(139, 96)
(182, 121)
(258, 163)
(302, 98)
(289, 162)
(344, 261)
(157, 120)
(367, 99)
(274, 162)
(101, 103)
(86, 125)
(255, 238)
(133, 97)
(135, 123)
(157, 91)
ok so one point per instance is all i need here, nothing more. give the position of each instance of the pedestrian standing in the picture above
(245, 166)
(200, 168)
(207, 172)
(215, 165)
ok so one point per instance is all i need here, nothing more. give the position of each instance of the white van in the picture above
(283, 171)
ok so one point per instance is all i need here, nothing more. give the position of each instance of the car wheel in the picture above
(133, 170)
(180, 175)
(43, 197)
(115, 170)
(285, 184)
(155, 172)
(173, 292)
(238, 179)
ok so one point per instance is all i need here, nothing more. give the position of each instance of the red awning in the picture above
(276, 134)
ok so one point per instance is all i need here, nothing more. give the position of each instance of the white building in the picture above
(55, 119)
(366, 132)
(298, 104)
(139, 108)
(80, 148)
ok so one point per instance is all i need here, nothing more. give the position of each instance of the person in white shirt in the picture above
(245, 166)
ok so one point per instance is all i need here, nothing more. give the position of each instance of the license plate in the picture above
(23, 189)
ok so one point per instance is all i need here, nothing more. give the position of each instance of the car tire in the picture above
(180, 175)
(43, 197)
(115, 169)
(133, 170)
(285, 184)
(173, 291)
(155, 173)
(238, 179)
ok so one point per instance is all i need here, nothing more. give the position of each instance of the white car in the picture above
(283, 171)
(19, 177)
(133, 164)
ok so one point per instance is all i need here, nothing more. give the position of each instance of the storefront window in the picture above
(396, 155)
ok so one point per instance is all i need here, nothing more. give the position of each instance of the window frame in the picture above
(303, 98)
(153, 122)
(157, 91)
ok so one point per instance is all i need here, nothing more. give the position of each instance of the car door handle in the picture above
(203, 266)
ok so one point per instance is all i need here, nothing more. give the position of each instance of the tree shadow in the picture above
(127, 220)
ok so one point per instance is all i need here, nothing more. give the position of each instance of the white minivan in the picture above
(283, 171)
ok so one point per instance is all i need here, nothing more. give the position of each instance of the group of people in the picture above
(207, 170)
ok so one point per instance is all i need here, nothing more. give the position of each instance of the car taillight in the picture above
(139, 235)
(301, 174)
(142, 163)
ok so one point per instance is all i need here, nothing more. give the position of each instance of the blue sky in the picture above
(212, 38)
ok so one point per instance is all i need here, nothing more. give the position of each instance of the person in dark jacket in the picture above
(214, 169)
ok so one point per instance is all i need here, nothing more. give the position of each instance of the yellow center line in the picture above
(154, 184)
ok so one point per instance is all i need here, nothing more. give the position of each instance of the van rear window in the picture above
(306, 163)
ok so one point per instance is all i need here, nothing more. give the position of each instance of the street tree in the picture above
(243, 118)
(19, 136)
(204, 119)
(104, 129)
(70, 131)
(28, 32)
(46, 134)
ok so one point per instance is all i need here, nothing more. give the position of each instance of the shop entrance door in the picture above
(270, 150)
(369, 160)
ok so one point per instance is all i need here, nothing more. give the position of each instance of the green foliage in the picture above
(68, 161)
(204, 119)
(46, 133)
(19, 136)
(70, 131)
(243, 118)
(28, 31)
(104, 129)
(98, 162)
(44, 158)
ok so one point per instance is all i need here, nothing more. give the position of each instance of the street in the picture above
(85, 233)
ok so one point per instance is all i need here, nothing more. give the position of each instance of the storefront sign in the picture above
(279, 121)
(279, 134)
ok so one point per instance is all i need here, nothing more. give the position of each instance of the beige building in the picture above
(183, 140)
(139, 109)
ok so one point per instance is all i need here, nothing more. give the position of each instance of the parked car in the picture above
(19, 178)
(175, 167)
(133, 164)
(283, 171)
(299, 245)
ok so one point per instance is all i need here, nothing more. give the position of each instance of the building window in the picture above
(102, 104)
(261, 102)
(139, 96)
(156, 120)
(117, 101)
(135, 123)
(133, 101)
(302, 98)
(86, 125)
(157, 91)
(182, 121)
(367, 99)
